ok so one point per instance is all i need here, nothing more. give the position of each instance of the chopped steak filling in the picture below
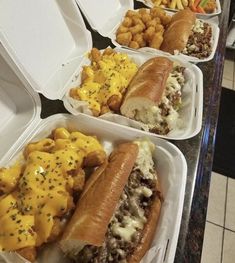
(199, 42)
(163, 118)
(126, 225)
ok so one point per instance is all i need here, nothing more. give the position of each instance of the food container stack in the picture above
(101, 184)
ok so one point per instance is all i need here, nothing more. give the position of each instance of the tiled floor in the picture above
(219, 236)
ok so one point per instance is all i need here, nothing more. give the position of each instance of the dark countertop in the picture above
(198, 150)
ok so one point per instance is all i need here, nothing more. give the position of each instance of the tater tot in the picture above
(143, 11)
(139, 38)
(165, 20)
(155, 21)
(99, 77)
(84, 74)
(136, 29)
(159, 28)
(122, 29)
(95, 158)
(156, 41)
(114, 103)
(146, 17)
(44, 145)
(134, 44)
(79, 180)
(108, 51)
(74, 94)
(124, 38)
(138, 21)
(104, 109)
(131, 13)
(148, 34)
(95, 55)
(157, 12)
(95, 112)
(127, 22)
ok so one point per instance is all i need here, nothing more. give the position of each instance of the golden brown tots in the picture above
(143, 28)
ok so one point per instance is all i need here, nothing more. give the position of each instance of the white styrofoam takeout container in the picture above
(170, 162)
(108, 27)
(150, 4)
(52, 69)
(190, 114)
(44, 41)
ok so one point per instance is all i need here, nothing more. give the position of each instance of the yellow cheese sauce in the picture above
(39, 190)
(107, 76)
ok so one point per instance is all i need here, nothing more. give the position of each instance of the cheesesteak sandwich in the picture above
(116, 216)
(187, 35)
(153, 97)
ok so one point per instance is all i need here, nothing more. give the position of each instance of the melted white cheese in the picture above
(149, 116)
(198, 26)
(143, 190)
(131, 225)
(144, 161)
(172, 84)
(172, 119)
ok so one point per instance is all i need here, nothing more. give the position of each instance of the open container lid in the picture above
(19, 107)
(46, 40)
(106, 18)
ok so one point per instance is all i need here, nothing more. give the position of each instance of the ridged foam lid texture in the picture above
(108, 12)
(46, 40)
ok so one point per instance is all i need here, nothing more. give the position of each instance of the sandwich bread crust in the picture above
(177, 34)
(147, 86)
(97, 204)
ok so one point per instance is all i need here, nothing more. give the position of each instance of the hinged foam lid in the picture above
(19, 108)
(107, 15)
(46, 40)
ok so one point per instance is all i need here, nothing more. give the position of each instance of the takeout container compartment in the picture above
(190, 114)
(171, 168)
(109, 28)
(150, 4)
(53, 69)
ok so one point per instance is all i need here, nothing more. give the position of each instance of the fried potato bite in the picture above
(143, 28)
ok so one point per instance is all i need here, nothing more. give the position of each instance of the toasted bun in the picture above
(97, 204)
(147, 86)
(148, 231)
(178, 31)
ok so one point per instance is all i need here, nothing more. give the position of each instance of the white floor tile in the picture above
(228, 69)
(216, 203)
(230, 209)
(227, 84)
(228, 247)
(212, 244)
